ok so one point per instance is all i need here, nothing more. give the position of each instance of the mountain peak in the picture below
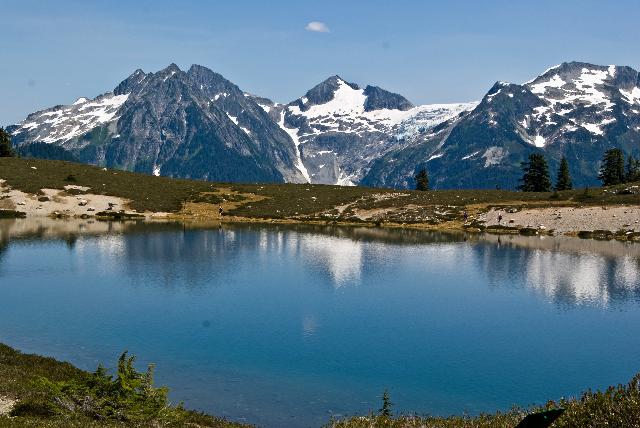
(131, 82)
(572, 70)
(210, 82)
(378, 98)
(169, 71)
(588, 83)
(324, 92)
(199, 69)
(171, 68)
(336, 80)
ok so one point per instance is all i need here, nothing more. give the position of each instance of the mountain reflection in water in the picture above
(567, 270)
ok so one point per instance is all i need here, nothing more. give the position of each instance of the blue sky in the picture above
(53, 52)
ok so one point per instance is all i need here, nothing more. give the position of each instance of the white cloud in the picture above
(318, 27)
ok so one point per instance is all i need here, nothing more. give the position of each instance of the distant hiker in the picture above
(465, 215)
(220, 210)
(499, 218)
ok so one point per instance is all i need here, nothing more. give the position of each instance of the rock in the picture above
(602, 234)
(43, 199)
(528, 231)
(12, 214)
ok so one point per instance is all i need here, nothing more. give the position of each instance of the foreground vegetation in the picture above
(55, 394)
(618, 406)
(50, 393)
(304, 202)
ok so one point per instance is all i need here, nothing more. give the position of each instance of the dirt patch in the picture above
(52, 201)
(6, 404)
(373, 213)
(569, 219)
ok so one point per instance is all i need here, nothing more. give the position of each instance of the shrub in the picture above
(129, 396)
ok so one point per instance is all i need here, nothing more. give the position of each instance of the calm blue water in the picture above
(284, 327)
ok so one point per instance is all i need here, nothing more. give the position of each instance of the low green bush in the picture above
(129, 396)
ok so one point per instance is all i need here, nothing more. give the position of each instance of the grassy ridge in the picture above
(147, 192)
(281, 201)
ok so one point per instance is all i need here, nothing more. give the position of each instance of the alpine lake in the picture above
(288, 326)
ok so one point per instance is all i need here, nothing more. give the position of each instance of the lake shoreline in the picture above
(505, 227)
(35, 187)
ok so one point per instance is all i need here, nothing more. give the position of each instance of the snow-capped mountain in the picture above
(576, 110)
(193, 124)
(197, 124)
(340, 128)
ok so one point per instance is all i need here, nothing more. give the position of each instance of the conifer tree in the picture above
(563, 182)
(386, 404)
(535, 177)
(6, 149)
(422, 180)
(633, 170)
(612, 169)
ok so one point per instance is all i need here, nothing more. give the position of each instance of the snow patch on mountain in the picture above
(632, 96)
(555, 82)
(234, 119)
(345, 180)
(539, 141)
(583, 89)
(64, 123)
(493, 156)
(293, 133)
(422, 118)
(469, 156)
(594, 128)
